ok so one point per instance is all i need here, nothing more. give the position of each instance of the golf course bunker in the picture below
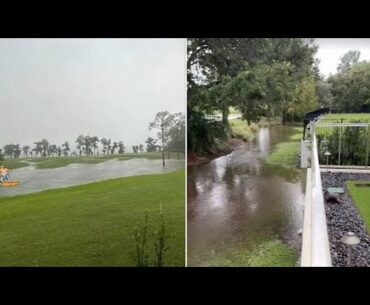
(34, 180)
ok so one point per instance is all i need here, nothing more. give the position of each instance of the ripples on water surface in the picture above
(235, 198)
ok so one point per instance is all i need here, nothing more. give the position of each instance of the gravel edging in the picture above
(344, 217)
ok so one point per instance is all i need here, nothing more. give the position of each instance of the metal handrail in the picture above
(315, 244)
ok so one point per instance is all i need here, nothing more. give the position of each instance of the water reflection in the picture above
(235, 197)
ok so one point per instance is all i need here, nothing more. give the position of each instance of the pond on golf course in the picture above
(237, 199)
(34, 180)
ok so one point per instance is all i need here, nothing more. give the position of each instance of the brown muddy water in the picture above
(237, 199)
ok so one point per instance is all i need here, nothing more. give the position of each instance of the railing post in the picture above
(340, 141)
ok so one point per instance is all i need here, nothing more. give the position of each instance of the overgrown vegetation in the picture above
(240, 129)
(141, 254)
(353, 144)
(257, 77)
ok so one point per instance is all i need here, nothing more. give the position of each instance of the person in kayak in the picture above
(4, 174)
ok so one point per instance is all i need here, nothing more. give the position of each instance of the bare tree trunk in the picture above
(163, 145)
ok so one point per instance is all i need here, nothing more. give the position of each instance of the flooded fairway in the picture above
(236, 202)
(33, 180)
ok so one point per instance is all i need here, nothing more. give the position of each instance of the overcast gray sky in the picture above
(331, 49)
(60, 88)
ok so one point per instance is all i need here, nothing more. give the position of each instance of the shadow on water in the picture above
(237, 200)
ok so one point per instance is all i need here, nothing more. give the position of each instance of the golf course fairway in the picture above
(93, 224)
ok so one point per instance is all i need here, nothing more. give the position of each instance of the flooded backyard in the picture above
(34, 180)
(237, 201)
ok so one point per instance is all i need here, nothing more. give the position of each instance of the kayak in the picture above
(7, 183)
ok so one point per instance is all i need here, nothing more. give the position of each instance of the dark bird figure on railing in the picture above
(331, 198)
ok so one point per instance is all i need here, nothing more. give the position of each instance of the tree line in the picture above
(170, 137)
(259, 77)
(348, 89)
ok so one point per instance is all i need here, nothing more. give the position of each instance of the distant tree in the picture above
(59, 151)
(176, 134)
(52, 150)
(162, 122)
(38, 148)
(66, 149)
(135, 148)
(151, 144)
(106, 145)
(114, 147)
(348, 60)
(141, 147)
(121, 147)
(95, 141)
(44, 147)
(25, 149)
(80, 143)
(1, 154)
(12, 150)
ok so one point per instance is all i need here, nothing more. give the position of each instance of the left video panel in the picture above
(92, 152)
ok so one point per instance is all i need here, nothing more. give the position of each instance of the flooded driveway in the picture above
(33, 180)
(235, 199)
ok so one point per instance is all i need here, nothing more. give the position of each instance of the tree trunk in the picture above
(163, 146)
(284, 117)
(225, 116)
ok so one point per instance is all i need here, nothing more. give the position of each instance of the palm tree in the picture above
(121, 147)
(80, 143)
(25, 150)
(45, 146)
(66, 149)
(115, 145)
(95, 141)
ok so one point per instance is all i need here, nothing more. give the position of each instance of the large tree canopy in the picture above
(258, 76)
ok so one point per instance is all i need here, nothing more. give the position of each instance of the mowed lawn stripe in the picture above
(92, 224)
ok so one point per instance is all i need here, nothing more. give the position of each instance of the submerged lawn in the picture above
(361, 197)
(92, 224)
(13, 164)
(263, 252)
(54, 162)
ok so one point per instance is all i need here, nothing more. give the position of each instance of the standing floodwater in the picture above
(237, 201)
(34, 180)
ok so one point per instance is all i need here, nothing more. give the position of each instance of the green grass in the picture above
(347, 117)
(241, 130)
(13, 164)
(361, 197)
(286, 153)
(273, 253)
(336, 118)
(54, 162)
(92, 224)
(264, 252)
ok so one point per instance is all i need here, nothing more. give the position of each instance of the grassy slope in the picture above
(54, 162)
(92, 224)
(13, 164)
(286, 153)
(361, 197)
(241, 130)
